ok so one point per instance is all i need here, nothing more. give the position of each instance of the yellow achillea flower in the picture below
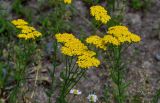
(74, 47)
(116, 35)
(19, 22)
(67, 1)
(27, 32)
(100, 13)
(97, 41)
(64, 38)
(123, 34)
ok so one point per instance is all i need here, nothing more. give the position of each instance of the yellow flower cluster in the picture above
(27, 32)
(122, 34)
(116, 35)
(67, 1)
(87, 60)
(100, 13)
(97, 41)
(74, 47)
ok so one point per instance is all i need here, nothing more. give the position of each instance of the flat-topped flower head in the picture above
(75, 92)
(119, 31)
(74, 47)
(97, 41)
(27, 32)
(19, 22)
(100, 13)
(92, 97)
(122, 34)
(65, 37)
(116, 35)
(67, 1)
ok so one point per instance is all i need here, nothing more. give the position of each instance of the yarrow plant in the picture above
(112, 44)
(23, 53)
(113, 41)
(86, 57)
(76, 53)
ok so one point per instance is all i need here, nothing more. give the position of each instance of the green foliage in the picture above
(106, 94)
(91, 1)
(5, 27)
(21, 10)
(17, 6)
(70, 77)
(139, 4)
(111, 5)
(136, 99)
(2, 75)
(117, 75)
(55, 21)
(156, 97)
(115, 21)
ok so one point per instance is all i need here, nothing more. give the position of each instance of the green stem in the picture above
(117, 73)
(78, 77)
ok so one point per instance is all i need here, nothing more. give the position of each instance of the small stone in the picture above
(157, 56)
(80, 7)
(133, 19)
(2, 101)
(146, 64)
(49, 48)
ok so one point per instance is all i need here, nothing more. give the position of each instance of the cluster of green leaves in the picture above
(156, 97)
(70, 77)
(140, 4)
(91, 1)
